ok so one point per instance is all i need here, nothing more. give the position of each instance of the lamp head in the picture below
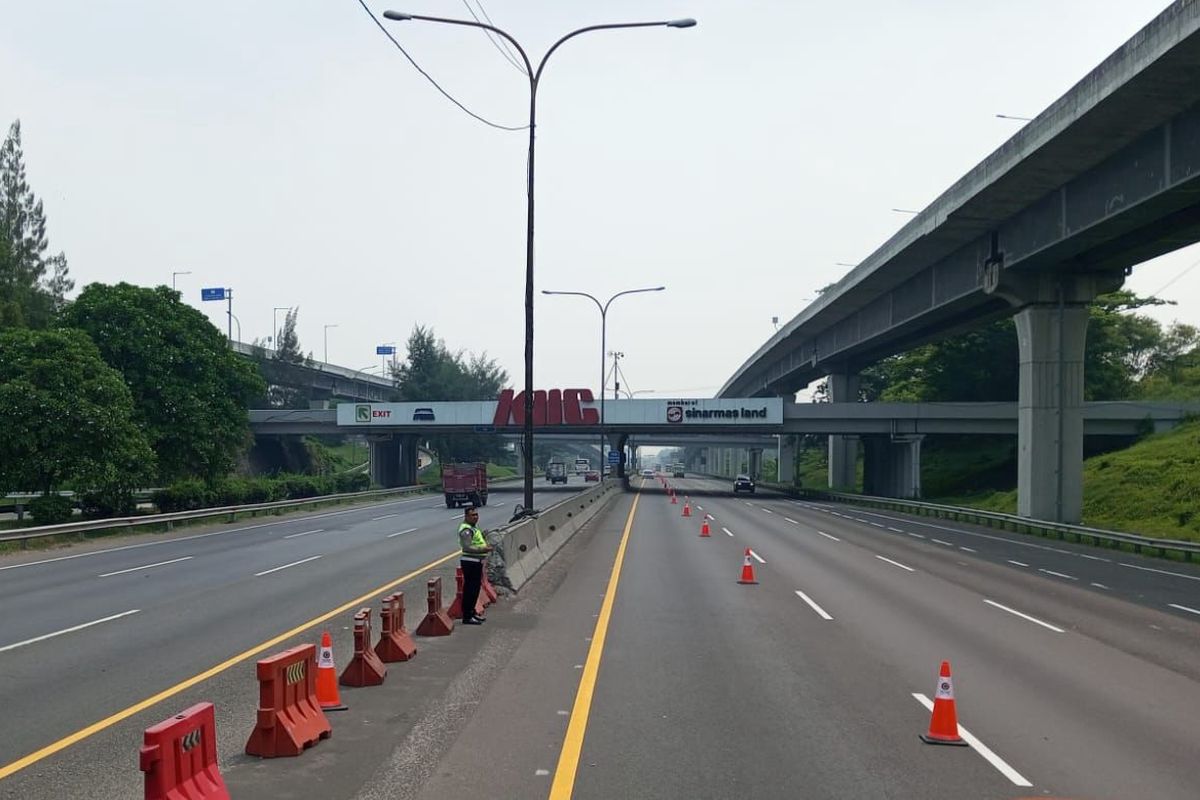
(675, 23)
(396, 16)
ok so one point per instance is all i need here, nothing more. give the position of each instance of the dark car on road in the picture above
(591, 475)
(743, 483)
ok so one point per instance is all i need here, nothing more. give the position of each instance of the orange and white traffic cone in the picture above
(327, 685)
(704, 528)
(674, 502)
(747, 569)
(687, 508)
(943, 725)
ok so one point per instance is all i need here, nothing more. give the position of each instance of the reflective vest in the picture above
(471, 536)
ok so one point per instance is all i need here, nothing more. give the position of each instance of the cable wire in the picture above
(492, 39)
(1168, 284)
(445, 94)
(507, 44)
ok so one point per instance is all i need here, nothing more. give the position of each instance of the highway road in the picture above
(140, 628)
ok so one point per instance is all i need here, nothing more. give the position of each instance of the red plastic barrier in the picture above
(365, 669)
(456, 607)
(179, 757)
(394, 644)
(290, 718)
(437, 622)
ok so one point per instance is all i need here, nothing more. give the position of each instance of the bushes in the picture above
(190, 495)
(107, 502)
(51, 509)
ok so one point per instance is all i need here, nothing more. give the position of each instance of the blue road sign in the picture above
(614, 457)
(385, 350)
(212, 294)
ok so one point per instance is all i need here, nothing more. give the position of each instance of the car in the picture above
(647, 473)
(743, 483)
(591, 475)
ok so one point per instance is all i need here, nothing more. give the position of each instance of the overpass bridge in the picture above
(1106, 177)
(322, 381)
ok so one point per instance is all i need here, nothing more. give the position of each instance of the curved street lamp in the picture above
(534, 78)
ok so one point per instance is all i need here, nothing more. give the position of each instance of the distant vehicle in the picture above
(582, 465)
(677, 471)
(607, 470)
(423, 415)
(743, 483)
(465, 483)
(556, 472)
(647, 473)
(591, 475)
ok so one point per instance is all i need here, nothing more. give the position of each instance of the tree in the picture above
(66, 416)
(287, 350)
(190, 391)
(32, 285)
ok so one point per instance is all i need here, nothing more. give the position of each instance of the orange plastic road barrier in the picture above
(456, 606)
(179, 757)
(437, 622)
(365, 669)
(394, 644)
(289, 717)
(327, 691)
(747, 569)
(687, 509)
(704, 528)
(486, 590)
(943, 724)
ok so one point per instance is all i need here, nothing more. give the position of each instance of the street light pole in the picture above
(327, 327)
(603, 341)
(173, 274)
(534, 78)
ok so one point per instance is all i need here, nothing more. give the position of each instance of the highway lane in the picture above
(229, 596)
(711, 689)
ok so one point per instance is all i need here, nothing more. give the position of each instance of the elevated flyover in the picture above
(322, 381)
(1106, 177)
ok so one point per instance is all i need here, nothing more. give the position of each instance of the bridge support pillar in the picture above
(892, 466)
(843, 450)
(785, 468)
(1051, 339)
(385, 462)
(754, 456)
(407, 468)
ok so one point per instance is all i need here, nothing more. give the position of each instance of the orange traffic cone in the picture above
(327, 687)
(674, 502)
(687, 508)
(704, 528)
(943, 725)
(747, 569)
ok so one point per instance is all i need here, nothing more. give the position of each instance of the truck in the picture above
(556, 472)
(582, 465)
(465, 484)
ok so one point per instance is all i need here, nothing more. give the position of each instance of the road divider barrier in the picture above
(943, 724)
(456, 609)
(437, 622)
(747, 569)
(395, 644)
(327, 687)
(179, 757)
(290, 719)
(365, 668)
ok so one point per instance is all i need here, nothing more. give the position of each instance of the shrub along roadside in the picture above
(191, 495)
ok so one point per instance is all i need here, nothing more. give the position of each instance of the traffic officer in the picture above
(475, 550)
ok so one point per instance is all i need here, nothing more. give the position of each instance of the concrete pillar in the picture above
(892, 466)
(385, 462)
(786, 467)
(1051, 339)
(843, 450)
(754, 457)
(407, 468)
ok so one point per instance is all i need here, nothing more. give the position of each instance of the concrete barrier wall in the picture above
(526, 545)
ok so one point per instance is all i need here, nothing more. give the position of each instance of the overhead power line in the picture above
(504, 52)
(445, 94)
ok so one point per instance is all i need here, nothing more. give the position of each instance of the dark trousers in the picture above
(472, 580)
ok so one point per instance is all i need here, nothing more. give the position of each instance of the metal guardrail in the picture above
(184, 516)
(1012, 522)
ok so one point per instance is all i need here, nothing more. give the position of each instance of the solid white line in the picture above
(1099, 585)
(67, 630)
(147, 566)
(939, 541)
(895, 563)
(812, 605)
(969, 550)
(789, 519)
(285, 566)
(727, 531)
(769, 511)
(1024, 616)
(981, 748)
(1018, 563)
(917, 535)
(385, 516)
(827, 536)
(1183, 608)
(1161, 572)
(306, 533)
(757, 557)
(1057, 574)
(400, 533)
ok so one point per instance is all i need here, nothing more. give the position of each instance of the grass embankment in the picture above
(1151, 488)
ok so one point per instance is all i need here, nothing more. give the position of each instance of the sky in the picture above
(288, 151)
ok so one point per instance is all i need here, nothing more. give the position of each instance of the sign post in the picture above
(383, 351)
(221, 294)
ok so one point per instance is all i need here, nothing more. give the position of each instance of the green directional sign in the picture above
(362, 413)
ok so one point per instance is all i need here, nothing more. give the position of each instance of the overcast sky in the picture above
(288, 150)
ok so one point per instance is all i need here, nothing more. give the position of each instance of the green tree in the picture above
(65, 415)
(32, 285)
(190, 391)
(287, 351)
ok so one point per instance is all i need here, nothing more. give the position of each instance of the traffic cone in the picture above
(674, 502)
(687, 509)
(943, 725)
(327, 687)
(747, 569)
(704, 528)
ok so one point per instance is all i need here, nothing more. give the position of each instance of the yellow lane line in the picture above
(107, 722)
(568, 759)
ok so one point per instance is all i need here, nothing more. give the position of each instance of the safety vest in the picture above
(471, 536)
